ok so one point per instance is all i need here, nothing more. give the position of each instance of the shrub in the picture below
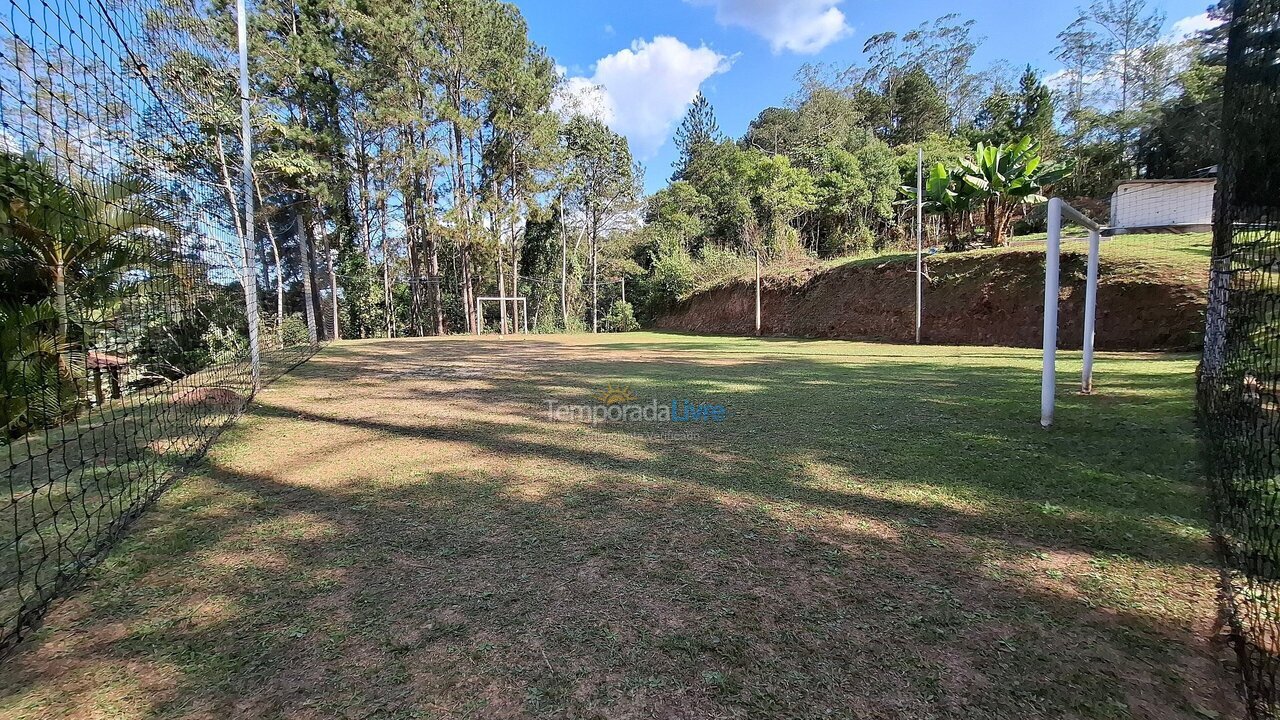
(670, 279)
(173, 350)
(294, 331)
(717, 265)
(36, 375)
(621, 318)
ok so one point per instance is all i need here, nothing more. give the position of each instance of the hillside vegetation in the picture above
(1152, 294)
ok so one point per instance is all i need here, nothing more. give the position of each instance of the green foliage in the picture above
(779, 192)
(293, 331)
(1005, 176)
(38, 372)
(621, 318)
(1005, 117)
(698, 128)
(679, 209)
(176, 349)
(918, 109)
(947, 194)
(855, 196)
(671, 277)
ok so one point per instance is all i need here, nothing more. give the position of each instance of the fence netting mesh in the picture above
(1240, 373)
(123, 319)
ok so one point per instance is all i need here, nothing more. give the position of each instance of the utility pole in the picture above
(248, 278)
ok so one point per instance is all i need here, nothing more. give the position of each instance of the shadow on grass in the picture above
(872, 537)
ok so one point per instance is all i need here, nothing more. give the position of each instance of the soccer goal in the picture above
(1059, 212)
(1149, 207)
(518, 304)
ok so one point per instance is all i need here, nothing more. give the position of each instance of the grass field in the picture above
(397, 529)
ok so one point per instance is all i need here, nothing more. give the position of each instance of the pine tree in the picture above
(1033, 112)
(698, 128)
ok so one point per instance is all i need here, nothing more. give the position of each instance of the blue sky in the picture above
(636, 65)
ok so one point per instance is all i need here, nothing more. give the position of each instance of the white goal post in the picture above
(1059, 211)
(523, 305)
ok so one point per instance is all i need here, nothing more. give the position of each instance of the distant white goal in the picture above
(518, 304)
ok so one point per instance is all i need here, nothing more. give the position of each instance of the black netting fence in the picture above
(124, 323)
(1240, 373)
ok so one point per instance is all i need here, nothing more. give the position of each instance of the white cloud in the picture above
(801, 26)
(641, 91)
(1188, 26)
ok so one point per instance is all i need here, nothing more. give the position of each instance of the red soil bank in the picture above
(970, 299)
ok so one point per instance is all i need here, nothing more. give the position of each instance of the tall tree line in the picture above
(401, 150)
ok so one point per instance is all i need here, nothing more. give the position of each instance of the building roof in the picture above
(1166, 181)
(102, 361)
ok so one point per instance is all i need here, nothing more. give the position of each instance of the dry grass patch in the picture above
(397, 530)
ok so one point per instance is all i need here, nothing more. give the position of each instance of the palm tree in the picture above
(75, 228)
(37, 372)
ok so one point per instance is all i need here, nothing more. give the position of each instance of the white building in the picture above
(1186, 204)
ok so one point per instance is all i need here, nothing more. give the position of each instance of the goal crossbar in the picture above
(1059, 212)
(524, 310)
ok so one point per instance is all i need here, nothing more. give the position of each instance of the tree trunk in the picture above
(433, 266)
(333, 284)
(308, 279)
(388, 300)
(60, 303)
(415, 264)
(564, 271)
(595, 288)
(462, 205)
(275, 256)
(993, 222)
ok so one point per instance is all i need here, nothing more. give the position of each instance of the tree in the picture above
(855, 195)
(75, 228)
(719, 173)
(946, 194)
(1005, 116)
(773, 131)
(779, 193)
(1184, 136)
(602, 187)
(1006, 176)
(680, 210)
(699, 128)
(918, 108)
(1114, 64)
(943, 50)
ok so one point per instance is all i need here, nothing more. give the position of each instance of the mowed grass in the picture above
(397, 529)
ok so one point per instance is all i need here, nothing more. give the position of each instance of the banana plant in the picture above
(948, 195)
(1005, 177)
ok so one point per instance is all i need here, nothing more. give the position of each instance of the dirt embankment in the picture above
(969, 299)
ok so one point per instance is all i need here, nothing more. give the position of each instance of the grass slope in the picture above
(1152, 294)
(398, 530)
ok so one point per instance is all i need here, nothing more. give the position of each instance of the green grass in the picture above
(398, 530)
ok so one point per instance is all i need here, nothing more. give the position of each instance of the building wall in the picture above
(1140, 204)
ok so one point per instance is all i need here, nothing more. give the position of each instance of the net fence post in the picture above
(1239, 373)
(1090, 311)
(249, 277)
(1048, 373)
